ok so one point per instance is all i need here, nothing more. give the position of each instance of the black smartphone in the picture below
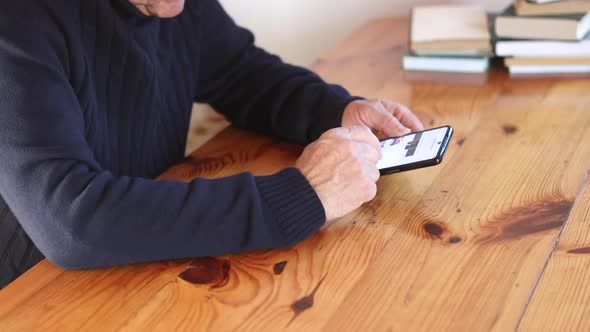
(415, 150)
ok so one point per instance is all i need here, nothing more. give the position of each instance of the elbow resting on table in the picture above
(71, 250)
(67, 255)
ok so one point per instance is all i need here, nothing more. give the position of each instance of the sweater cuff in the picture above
(333, 108)
(296, 209)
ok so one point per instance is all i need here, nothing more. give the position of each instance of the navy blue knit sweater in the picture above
(95, 100)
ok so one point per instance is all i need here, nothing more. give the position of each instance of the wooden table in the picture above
(495, 238)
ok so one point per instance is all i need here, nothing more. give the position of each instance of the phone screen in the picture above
(411, 148)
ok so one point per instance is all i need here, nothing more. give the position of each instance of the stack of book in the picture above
(545, 37)
(454, 38)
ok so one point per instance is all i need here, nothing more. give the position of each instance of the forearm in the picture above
(286, 101)
(92, 219)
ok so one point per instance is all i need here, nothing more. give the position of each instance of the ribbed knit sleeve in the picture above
(81, 215)
(255, 89)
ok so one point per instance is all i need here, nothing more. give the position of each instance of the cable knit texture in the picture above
(95, 101)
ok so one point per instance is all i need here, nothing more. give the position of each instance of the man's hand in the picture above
(341, 168)
(385, 118)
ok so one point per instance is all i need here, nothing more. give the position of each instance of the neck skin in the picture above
(159, 8)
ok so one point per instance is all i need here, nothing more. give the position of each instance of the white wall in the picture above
(301, 30)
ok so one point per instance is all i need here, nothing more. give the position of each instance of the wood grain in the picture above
(561, 300)
(504, 196)
(460, 246)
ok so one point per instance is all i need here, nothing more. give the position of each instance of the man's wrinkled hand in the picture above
(384, 117)
(341, 168)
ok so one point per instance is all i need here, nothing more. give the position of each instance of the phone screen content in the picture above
(411, 148)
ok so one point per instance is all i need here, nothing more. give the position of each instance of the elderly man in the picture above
(95, 100)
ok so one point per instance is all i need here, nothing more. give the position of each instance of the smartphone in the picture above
(415, 150)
